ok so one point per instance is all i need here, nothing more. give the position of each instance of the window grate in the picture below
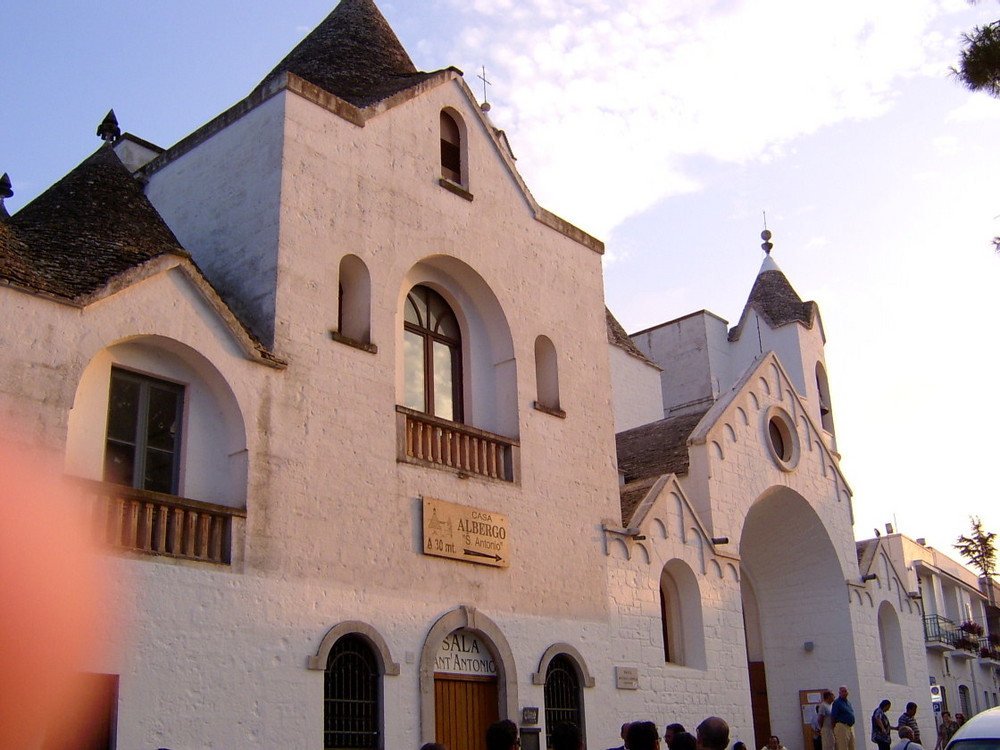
(351, 697)
(562, 695)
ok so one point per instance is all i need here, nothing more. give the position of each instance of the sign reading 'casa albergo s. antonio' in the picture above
(463, 533)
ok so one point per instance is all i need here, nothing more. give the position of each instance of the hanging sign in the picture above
(459, 532)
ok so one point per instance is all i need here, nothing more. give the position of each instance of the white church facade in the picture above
(379, 468)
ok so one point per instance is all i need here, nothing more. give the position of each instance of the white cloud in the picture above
(605, 100)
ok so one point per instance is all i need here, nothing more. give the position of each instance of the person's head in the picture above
(828, 696)
(946, 715)
(433, 746)
(566, 736)
(670, 731)
(844, 692)
(905, 733)
(743, 745)
(642, 735)
(773, 742)
(960, 718)
(502, 735)
(885, 705)
(911, 708)
(713, 734)
(625, 727)
(683, 741)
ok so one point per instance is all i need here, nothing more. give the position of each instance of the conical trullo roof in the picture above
(92, 225)
(353, 54)
(775, 300)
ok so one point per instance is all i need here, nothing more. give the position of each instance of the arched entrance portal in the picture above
(796, 611)
(467, 680)
(465, 691)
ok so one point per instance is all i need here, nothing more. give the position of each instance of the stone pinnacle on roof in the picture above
(108, 130)
(353, 54)
(6, 191)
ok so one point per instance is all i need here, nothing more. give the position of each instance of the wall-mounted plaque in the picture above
(627, 678)
(459, 532)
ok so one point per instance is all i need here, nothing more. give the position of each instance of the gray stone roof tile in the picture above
(353, 54)
(657, 448)
(777, 302)
(92, 225)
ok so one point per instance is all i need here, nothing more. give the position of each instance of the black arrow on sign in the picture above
(474, 553)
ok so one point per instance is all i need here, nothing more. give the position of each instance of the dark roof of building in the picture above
(618, 337)
(353, 54)
(92, 225)
(776, 301)
(657, 448)
(632, 495)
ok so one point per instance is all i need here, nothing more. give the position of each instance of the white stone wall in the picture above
(635, 390)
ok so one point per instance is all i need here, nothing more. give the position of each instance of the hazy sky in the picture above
(665, 127)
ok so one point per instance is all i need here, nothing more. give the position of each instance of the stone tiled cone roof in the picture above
(618, 337)
(777, 302)
(353, 54)
(86, 229)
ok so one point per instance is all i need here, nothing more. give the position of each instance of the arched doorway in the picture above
(466, 698)
(467, 680)
(797, 620)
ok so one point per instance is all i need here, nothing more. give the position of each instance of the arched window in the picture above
(451, 149)
(680, 610)
(825, 405)
(891, 643)
(351, 696)
(432, 355)
(354, 300)
(546, 373)
(563, 700)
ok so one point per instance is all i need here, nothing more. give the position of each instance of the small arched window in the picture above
(546, 373)
(354, 300)
(680, 611)
(451, 149)
(965, 699)
(563, 701)
(432, 355)
(825, 405)
(891, 643)
(351, 696)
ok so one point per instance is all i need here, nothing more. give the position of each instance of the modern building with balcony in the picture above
(961, 639)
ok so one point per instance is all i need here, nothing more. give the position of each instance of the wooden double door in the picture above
(464, 707)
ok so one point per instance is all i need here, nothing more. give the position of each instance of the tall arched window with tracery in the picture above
(563, 700)
(351, 716)
(432, 355)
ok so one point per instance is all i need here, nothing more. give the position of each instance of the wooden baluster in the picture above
(190, 519)
(160, 538)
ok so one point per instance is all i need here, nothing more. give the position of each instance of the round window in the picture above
(782, 439)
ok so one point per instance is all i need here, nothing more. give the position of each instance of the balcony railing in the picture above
(156, 524)
(940, 631)
(437, 442)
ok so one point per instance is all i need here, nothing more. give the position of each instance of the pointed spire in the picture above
(6, 191)
(353, 54)
(108, 130)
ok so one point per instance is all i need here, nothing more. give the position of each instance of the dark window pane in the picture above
(161, 427)
(119, 463)
(159, 471)
(123, 406)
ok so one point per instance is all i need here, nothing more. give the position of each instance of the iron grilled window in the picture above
(562, 695)
(351, 699)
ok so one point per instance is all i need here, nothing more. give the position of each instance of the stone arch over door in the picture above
(466, 618)
(798, 601)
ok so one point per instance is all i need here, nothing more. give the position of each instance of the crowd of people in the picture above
(832, 725)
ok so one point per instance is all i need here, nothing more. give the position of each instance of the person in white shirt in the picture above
(906, 740)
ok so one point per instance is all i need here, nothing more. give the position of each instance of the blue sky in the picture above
(665, 127)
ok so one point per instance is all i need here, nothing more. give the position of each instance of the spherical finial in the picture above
(768, 245)
(485, 106)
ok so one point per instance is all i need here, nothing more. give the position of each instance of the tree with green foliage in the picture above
(979, 65)
(979, 549)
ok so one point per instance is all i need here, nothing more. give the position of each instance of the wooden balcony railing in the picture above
(437, 442)
(151, 522)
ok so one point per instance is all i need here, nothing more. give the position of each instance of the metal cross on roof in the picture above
(486, 82)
